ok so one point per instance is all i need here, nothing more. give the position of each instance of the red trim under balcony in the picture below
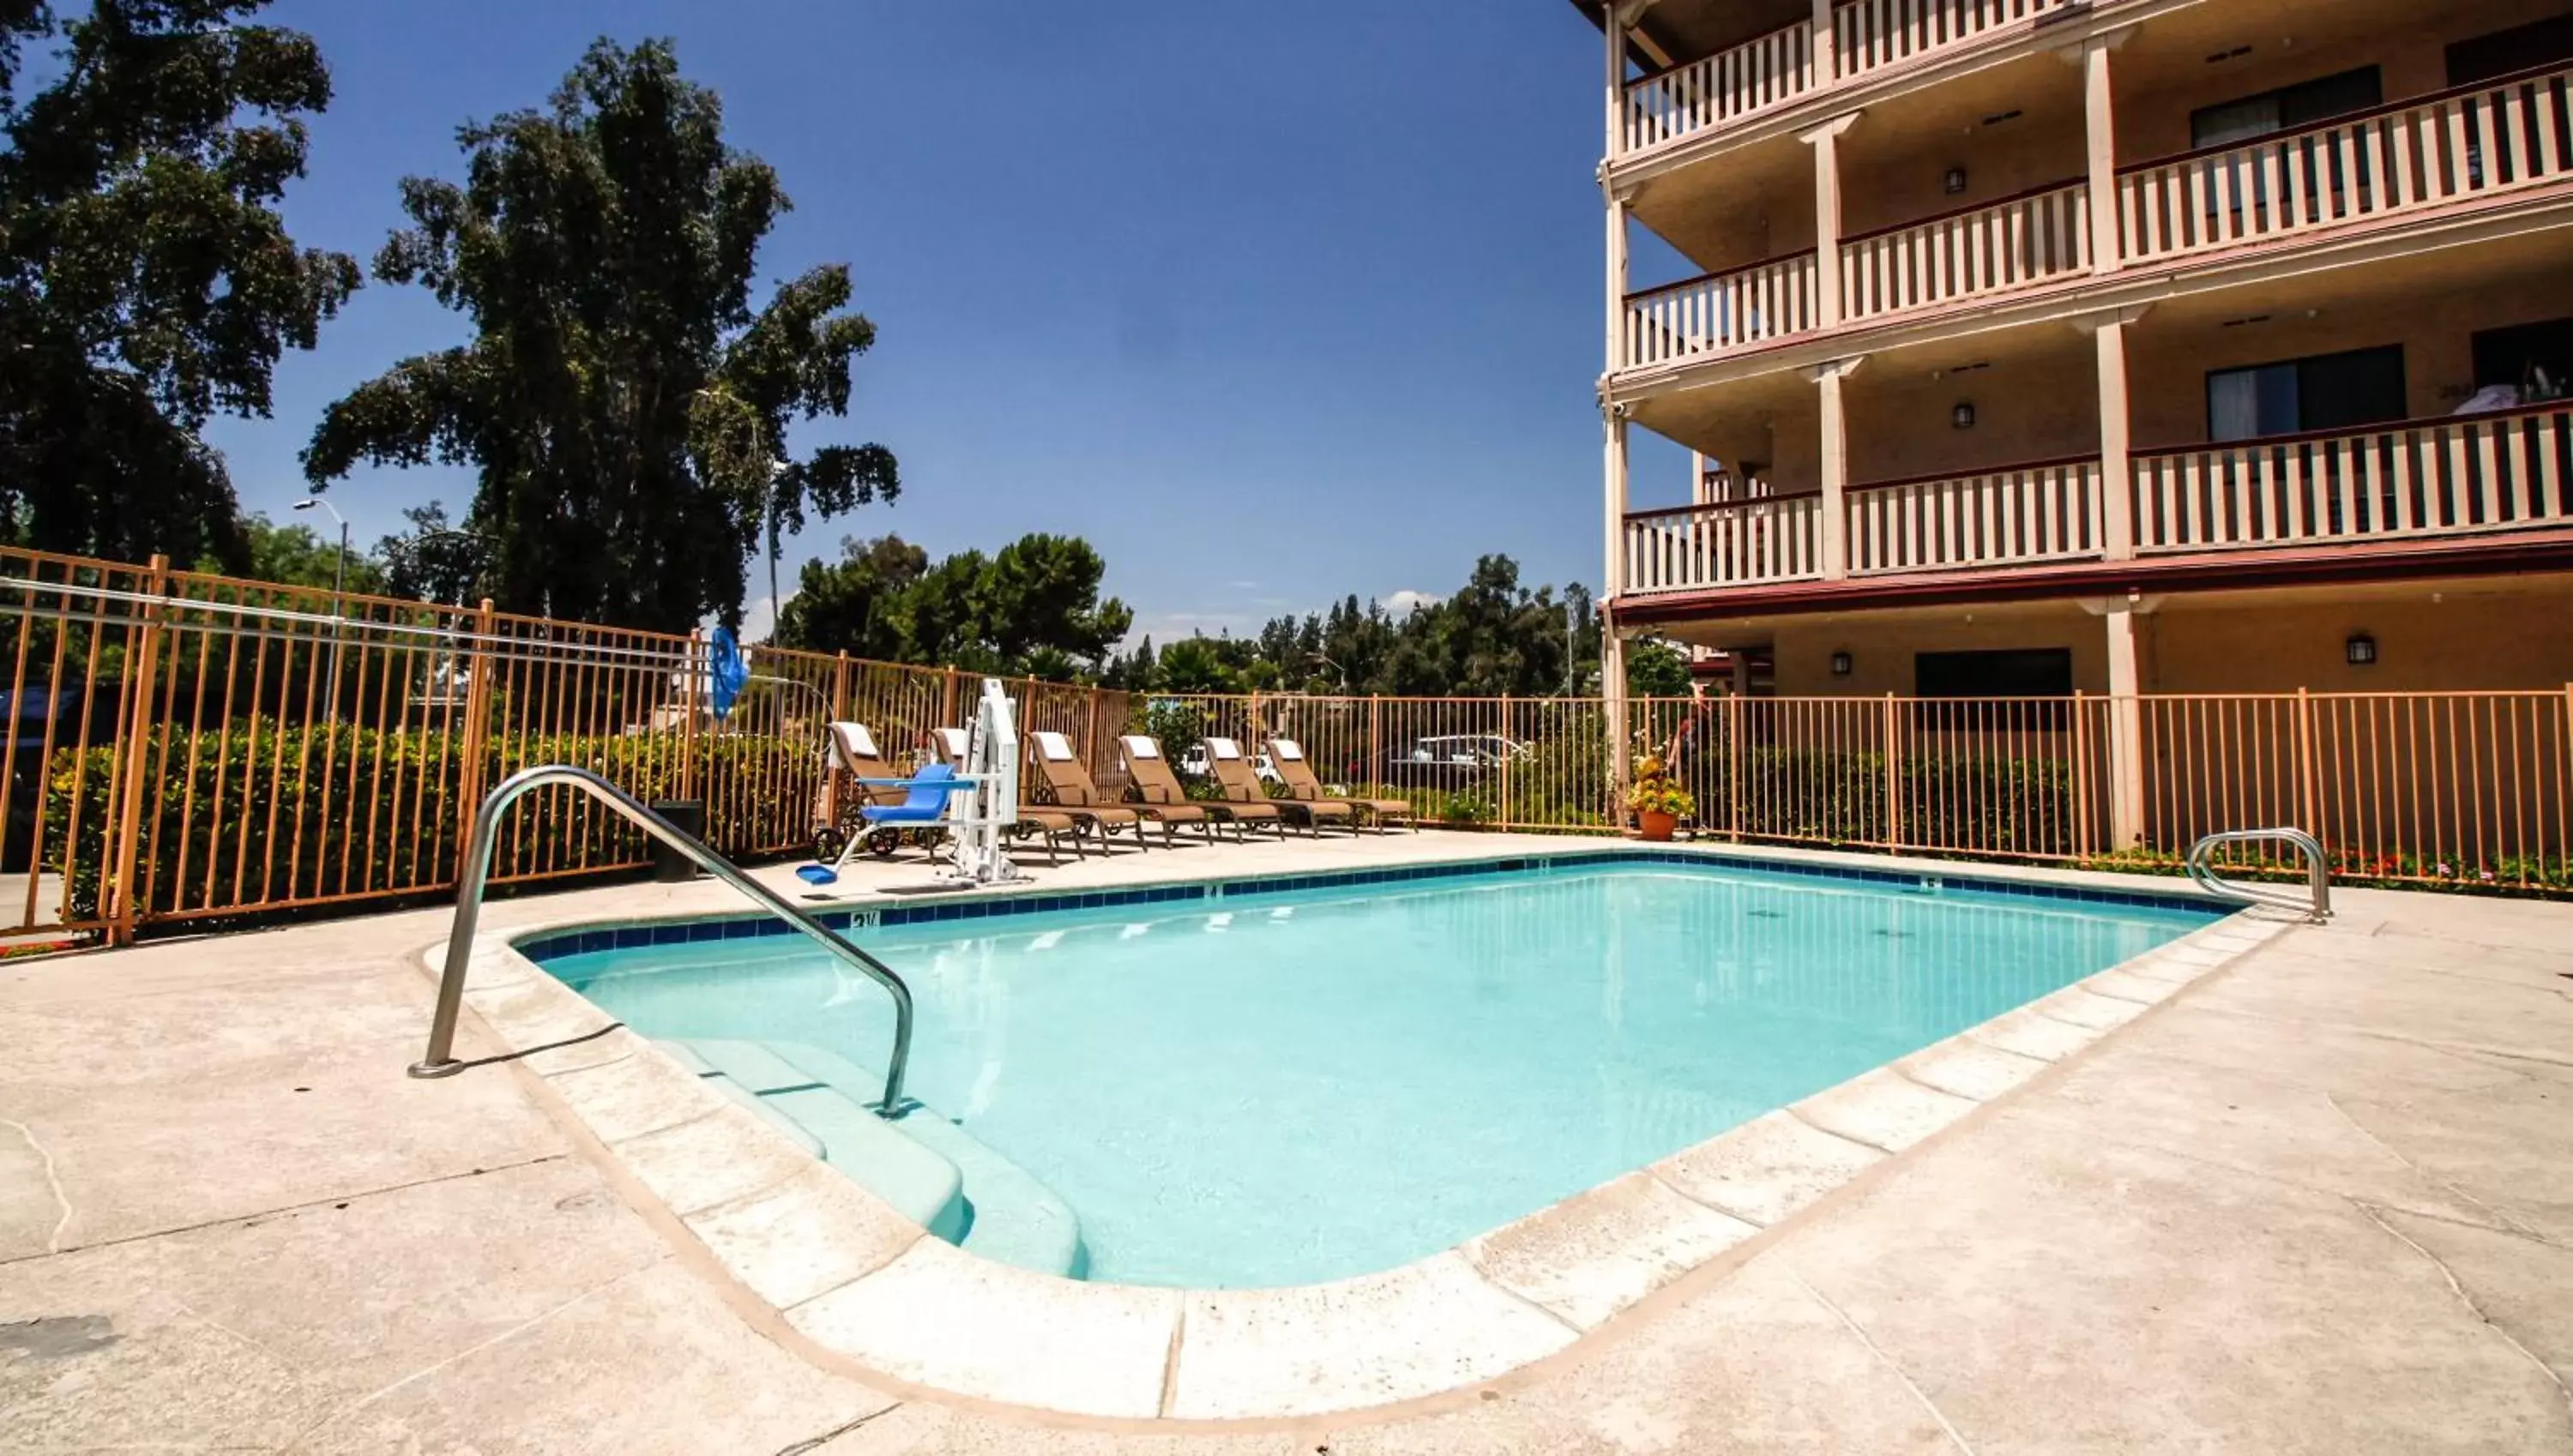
(2398, 560)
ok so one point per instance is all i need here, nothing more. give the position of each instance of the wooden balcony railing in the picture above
(1869, 35)
(1730, 543)
(2474, 140)
(1765, 71)
(1721, 88)
(2044, 510)
(2037, 235)
(2464, 474)
(1721, 311)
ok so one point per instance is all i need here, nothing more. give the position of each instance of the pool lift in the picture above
(975, 802)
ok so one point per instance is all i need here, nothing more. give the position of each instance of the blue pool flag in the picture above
(729, 672)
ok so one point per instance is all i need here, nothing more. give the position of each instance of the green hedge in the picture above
(401, 816)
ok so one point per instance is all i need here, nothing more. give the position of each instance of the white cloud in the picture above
(759, 617)
(1407, 601)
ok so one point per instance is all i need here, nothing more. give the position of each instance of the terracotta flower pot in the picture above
(1657, 826)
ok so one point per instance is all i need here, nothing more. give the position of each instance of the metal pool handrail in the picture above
(2317, 871)
(442, 1061)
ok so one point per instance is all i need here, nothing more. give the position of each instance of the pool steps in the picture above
(931, 1171)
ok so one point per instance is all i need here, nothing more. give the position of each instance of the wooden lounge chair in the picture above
(1053, 825)
(1149, 770)
(1243, 788)
(1065, 785)
(1298, 776)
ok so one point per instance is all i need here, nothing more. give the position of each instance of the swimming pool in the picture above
(1272, 1085)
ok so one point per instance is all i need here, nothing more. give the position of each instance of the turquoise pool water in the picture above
(1289, 1087)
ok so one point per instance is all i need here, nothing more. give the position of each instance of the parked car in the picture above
(1450, 760)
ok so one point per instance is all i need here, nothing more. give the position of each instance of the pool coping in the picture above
(858, 1279)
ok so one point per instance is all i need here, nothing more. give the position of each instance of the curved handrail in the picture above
(442, 1061)
(2317, 871)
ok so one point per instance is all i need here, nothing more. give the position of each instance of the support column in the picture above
(1615, 285)
(1834, 460)
(2099, 125)
(1612, 646)
(2116, 484)
(2125, 727)
(1825, 140)
(1612, 702)
(1618, 18)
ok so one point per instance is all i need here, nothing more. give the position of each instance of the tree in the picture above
(1042, 594)
(625, 405)
(297, 555)
(1032, 608)
(146, 279)
(1656, 670)
(435, 561)
(847, 605)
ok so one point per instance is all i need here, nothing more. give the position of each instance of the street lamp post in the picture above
(777, 608)
(339, 592)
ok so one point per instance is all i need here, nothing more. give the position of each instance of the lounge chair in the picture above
(1066, 785)
(1053, 825)
(1159, 789)
(1242, 788)
(1298, 776)
(851, 750)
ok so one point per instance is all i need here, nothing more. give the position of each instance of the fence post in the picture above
(1893, 777)
(691, 677)
(839, 714)
(1501, 813)
(947, 702)
(1733, 765)
(477, 731)
(2081, 780)
(2306, 765)
(1375, 737)
(134, 708)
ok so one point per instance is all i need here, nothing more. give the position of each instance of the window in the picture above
(2542, 43)
(2021, 673)
(2324, 391)
(2534, 361)
(2286, 109)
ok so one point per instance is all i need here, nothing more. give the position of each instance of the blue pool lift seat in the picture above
(927, 802)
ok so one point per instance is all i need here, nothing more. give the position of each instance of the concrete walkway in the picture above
(2322, 1201)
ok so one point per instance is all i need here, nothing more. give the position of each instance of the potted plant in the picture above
(1657, 800)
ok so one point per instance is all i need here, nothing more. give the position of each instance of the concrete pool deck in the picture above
(2322, 1199)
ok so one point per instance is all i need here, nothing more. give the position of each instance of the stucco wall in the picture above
(2510, 633)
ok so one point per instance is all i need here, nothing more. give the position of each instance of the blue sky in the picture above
(1272, 303)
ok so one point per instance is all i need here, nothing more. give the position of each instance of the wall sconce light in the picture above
(1963, 416)
(2362, 649)
(1954, 181)
(1840, 664)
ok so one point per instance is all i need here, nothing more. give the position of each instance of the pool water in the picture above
(1290, 1088)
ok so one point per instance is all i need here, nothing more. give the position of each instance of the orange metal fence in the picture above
(184, 746)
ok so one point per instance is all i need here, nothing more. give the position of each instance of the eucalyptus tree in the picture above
(624, 403)
(147, 282)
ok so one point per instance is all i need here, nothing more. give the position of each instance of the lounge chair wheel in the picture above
(828, 841)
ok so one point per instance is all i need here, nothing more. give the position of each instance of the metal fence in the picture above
(185, 747)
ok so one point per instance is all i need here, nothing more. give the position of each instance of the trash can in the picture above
(669, 867)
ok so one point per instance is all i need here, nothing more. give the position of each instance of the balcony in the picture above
(2376, 168)
(1867, 36)
(2456, 476)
